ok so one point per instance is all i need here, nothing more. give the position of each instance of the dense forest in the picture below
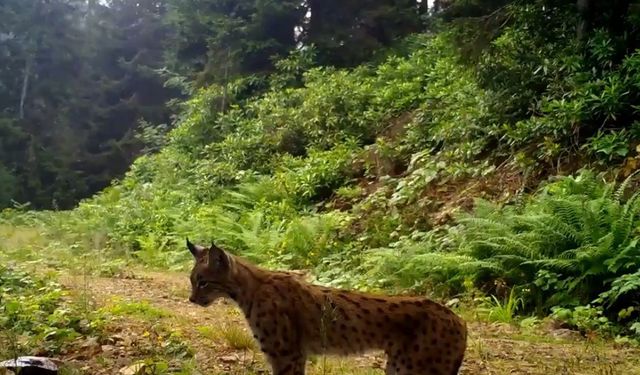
(455, 148)
(86, 84)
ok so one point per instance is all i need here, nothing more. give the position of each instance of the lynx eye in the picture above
(203, 284)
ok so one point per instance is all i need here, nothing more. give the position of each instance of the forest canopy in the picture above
(85, 84)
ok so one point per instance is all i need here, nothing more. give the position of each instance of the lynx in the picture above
(291, 318)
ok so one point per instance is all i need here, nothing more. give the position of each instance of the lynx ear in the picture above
(193, 249)
(218, 258)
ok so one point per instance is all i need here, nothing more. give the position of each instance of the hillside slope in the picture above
(370, 176)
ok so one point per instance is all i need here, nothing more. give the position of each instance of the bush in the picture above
(315, 177)
(572, 244)
(36, 317)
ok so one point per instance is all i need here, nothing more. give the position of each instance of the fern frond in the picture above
(554, 264)
(485, 224)
(568, 211)
(623, 227)
(572, 235)
(548, 229)
(512, 245)
(629, 257)
(474, 267)
(510, 259)
(619, 193)
(569, 254)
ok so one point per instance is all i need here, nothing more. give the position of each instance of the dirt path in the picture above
(216, 333)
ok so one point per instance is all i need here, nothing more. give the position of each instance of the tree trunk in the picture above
(223, 105)
(619, 11)
(584, 19)
(437, 6)
(423, 7)
(25, 85)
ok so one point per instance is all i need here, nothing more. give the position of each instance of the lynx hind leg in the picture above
(390, 369)
(415, 357)
(290, 365)
(406, 365)
(457, 365)
(401, 361)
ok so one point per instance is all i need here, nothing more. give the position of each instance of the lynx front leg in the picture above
(279, 339)
(290, 365)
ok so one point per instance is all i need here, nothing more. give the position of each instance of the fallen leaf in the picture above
(135, 369)
(229, 359)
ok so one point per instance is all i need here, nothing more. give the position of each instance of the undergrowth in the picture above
(37, 316)
(40, 317)
(368, 175)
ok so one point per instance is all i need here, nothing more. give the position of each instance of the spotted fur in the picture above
(292, 319)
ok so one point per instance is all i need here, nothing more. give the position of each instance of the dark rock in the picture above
(31, 366)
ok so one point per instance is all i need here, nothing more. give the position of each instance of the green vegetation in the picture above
(87, 86)
(492, 158)
(337, 174)
(38, 316)
(78, 81)
(35, 316)
(48, 307)
(232, 336)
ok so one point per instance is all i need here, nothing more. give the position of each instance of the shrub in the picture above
(569, 245)
(35, 316)
(315, 177)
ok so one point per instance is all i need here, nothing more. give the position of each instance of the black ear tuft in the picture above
(192, 248)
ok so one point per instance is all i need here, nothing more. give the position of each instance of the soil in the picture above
(492, 349)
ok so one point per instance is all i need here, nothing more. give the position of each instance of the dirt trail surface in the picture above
(492, 348)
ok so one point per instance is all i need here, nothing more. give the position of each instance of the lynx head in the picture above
(211, 274)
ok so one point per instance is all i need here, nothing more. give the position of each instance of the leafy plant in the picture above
(609, 146)
(566, 245)
(584, 318)
(503, 311)
(36, 316)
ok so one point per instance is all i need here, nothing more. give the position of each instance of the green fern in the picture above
(622, 188)
(580, 229)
